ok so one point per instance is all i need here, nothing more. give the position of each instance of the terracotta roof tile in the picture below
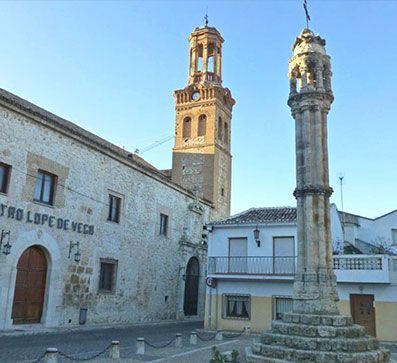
(261, 215)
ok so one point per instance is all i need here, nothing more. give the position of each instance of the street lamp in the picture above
(6, 246)
(256, 236)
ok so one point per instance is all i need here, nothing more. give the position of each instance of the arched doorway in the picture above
(30, 286)
(191, 287)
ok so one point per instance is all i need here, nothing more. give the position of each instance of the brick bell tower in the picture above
(201, 160)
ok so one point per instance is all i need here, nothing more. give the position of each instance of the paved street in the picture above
(26, 348)
(86, 342)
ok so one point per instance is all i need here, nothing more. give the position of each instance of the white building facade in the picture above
(251, 266)
(89, 232)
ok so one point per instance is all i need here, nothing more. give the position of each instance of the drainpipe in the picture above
(210, 309)
(216, 305)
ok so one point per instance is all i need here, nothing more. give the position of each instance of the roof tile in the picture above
(261, 215)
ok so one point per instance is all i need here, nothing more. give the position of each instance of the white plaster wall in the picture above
(336, 228)
(384, 225)
(149, 265)
(366, 231)
(218, 244)
(382, 292)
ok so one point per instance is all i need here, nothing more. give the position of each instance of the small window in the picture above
(394, 236)
(226, 133)
(281, 304)
(220, 128)
(45, 187)
(222, 192)
(237, 306)
(163, 224)
(107, 275)
(114, 208)
(5, 171)
(187, 128)
(202, 126)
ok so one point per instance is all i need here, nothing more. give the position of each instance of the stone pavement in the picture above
(187, 354)
(202, 352)
(87, 342)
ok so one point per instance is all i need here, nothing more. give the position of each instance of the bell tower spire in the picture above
(201, 158)
(205, 55)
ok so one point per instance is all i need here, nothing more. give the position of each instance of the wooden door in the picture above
(30, 287)
(191, 287)
(363, 312)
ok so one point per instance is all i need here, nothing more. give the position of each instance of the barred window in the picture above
(281, 304)
(114, 208)
(163, 224)
(5, 171)
(107, 275)
(237, 306)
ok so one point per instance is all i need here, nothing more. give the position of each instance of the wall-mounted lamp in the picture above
(204, 240)
(77, 255)
(256, 236)
(6, 245)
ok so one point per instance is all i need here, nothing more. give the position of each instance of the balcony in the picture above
(362, 268)
(252, 267)
(348, 268)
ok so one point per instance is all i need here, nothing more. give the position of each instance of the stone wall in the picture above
(149, 264)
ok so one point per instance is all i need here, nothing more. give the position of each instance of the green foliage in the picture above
(217, 357)
(235, 356)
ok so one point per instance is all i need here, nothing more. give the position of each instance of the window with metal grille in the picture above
(107, 275)
(163, 224)
(114, 208)
(45, 187)
(237, 306)
(5, 171)
(281, 304)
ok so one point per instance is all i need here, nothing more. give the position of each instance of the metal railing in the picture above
(285, 266)
(263, 265)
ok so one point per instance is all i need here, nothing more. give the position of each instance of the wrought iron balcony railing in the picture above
(348, 268)
(264, 265)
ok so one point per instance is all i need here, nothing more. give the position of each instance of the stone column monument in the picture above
(314, 331)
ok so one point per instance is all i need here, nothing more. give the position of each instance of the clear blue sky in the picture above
(111, 67)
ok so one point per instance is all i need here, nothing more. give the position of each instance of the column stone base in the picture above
(316, 338)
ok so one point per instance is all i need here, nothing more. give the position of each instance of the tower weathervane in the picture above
(307, 13)
(206, 19)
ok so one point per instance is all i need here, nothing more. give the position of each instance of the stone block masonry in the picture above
(146, 279)
(315, 331)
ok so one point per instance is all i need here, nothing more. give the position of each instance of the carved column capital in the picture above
(313, 190)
